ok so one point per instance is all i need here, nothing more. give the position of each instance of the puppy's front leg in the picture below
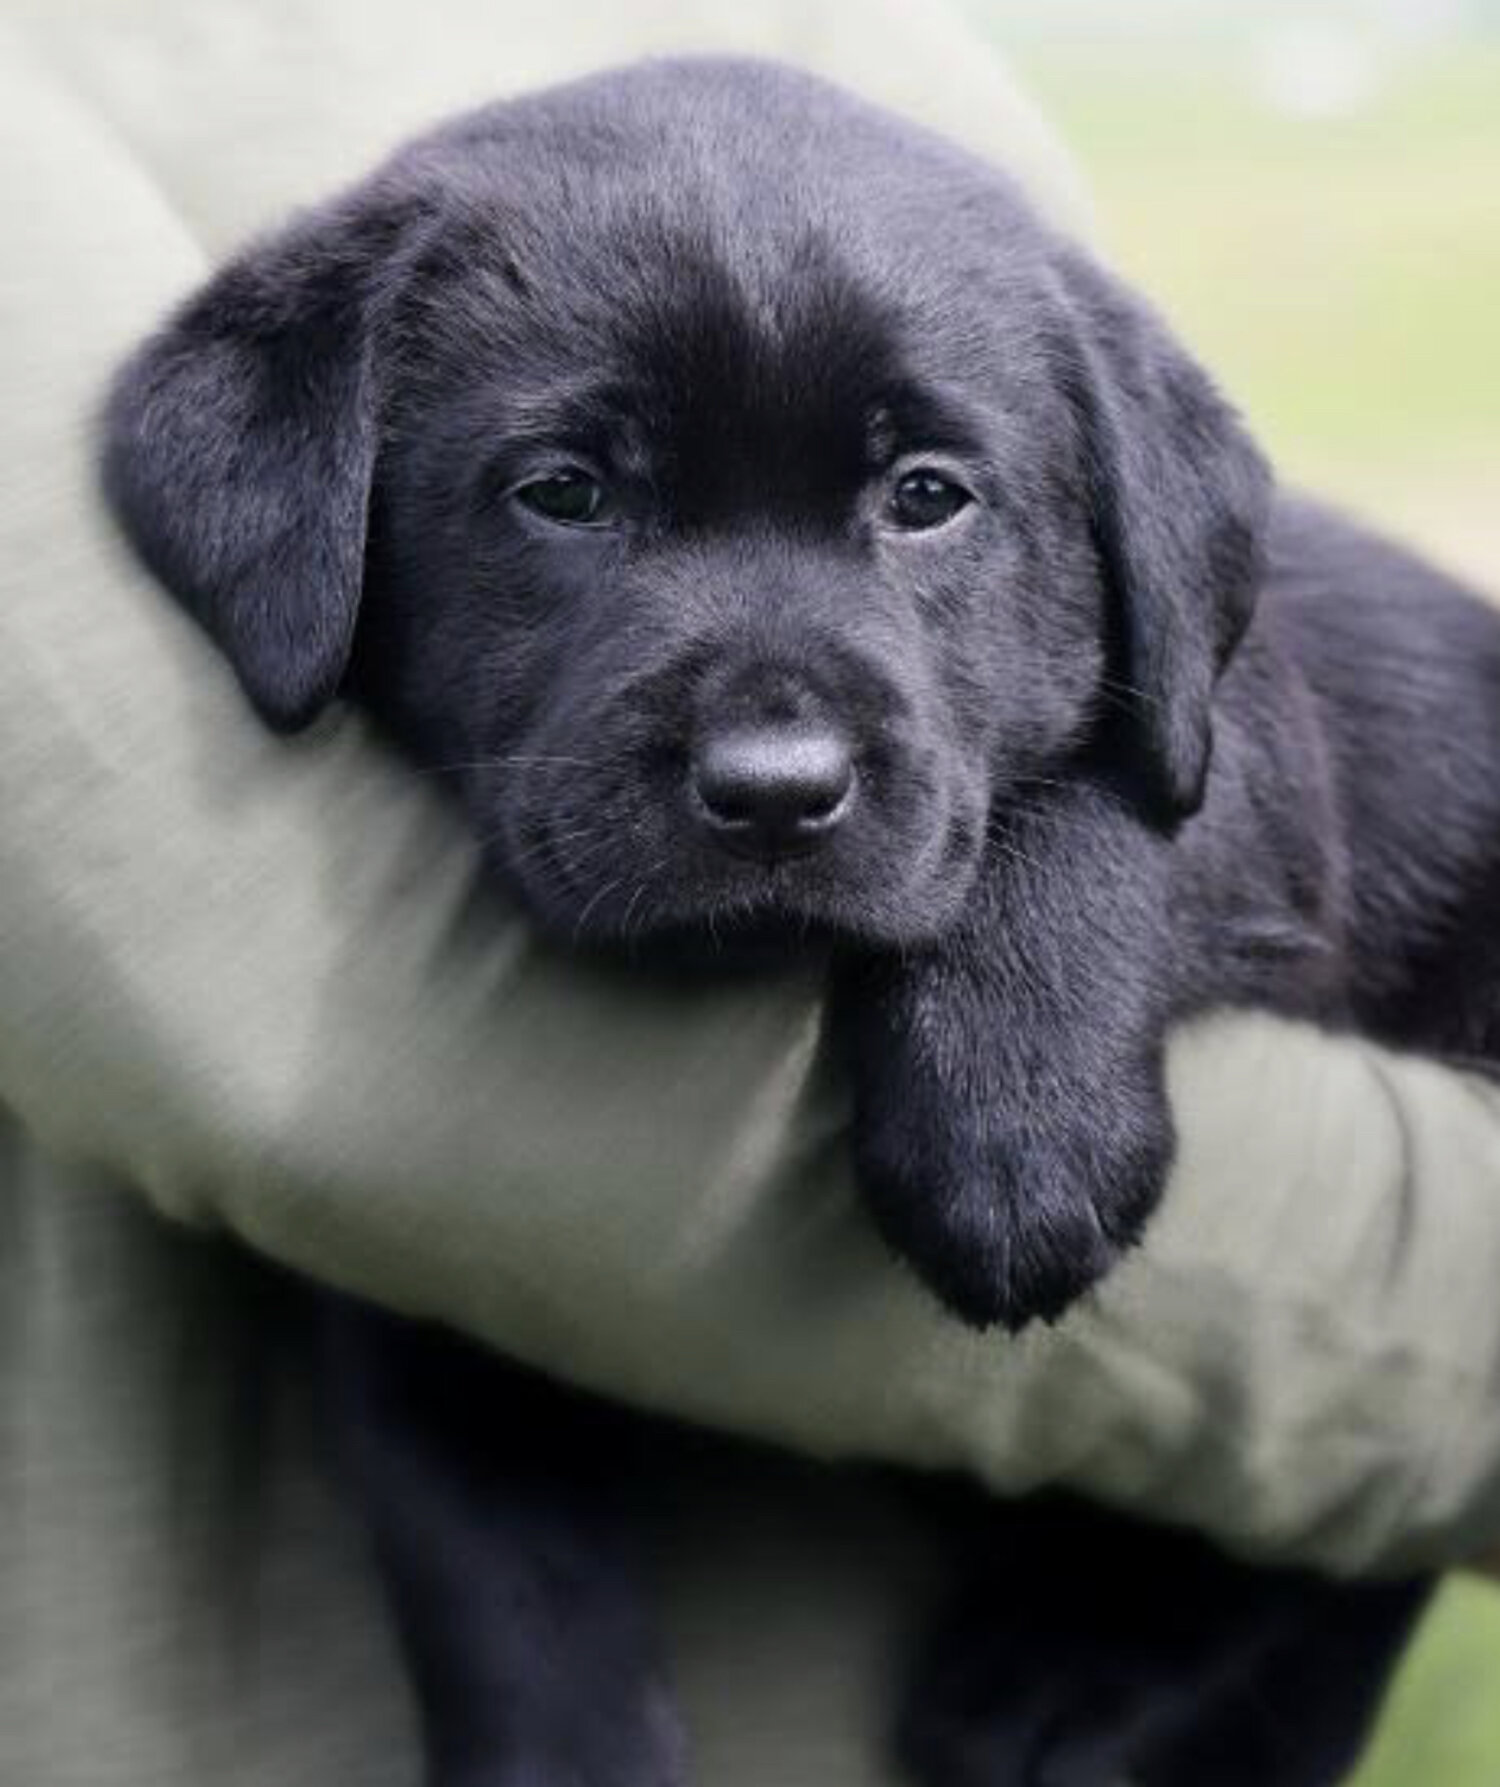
(493, 1498)
(1011, 1127)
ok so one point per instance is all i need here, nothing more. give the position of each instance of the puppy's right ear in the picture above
(1179, 497)
(240, 445)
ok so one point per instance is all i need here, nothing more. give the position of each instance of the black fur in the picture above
(1134, 734)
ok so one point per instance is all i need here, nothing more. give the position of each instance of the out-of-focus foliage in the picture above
(1313, 194)
(1442, 1726)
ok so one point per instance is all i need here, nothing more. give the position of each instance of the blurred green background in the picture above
(1312, 193)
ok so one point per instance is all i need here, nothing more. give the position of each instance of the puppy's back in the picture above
(1403, 663)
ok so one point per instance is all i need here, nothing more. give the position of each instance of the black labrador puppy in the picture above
(788, 541)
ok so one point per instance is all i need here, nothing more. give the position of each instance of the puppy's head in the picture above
(740, 492)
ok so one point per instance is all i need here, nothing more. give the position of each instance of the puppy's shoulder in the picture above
(1325, 569)
(1402, 659)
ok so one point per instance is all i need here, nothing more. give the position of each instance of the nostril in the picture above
(822, 803)
(727, 803)
(773, 790)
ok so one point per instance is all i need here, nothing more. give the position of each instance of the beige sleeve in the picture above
(258, 980)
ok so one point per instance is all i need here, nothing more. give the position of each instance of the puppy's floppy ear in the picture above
(240, 443)
(1179, 497)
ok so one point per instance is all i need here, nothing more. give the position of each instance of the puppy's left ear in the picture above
(240, 444)
(1179, 497)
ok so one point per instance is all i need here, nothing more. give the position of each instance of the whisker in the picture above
(635, 898)
(602, 892)
(538, 846)
(1130, 689)
(1008, 849)
(1011, 854)
(1045, 782)
(1074, 822)
(519, 760)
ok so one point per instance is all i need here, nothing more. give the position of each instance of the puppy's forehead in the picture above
(736, 221)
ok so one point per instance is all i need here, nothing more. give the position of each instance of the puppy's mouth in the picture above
(670, 895)
(740, 908)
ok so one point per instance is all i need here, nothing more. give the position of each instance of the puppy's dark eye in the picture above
(570, 497)
(925, 499)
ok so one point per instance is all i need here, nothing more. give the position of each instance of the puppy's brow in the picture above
(882, 440)
(600, 421)
(922, 416)
(631, 448)
(570, 404)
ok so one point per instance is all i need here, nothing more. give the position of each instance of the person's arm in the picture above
(262, 983)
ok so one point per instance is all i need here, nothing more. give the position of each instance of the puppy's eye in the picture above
(570, 497)
(924, 499)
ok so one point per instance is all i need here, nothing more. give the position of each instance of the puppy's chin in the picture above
(733, 948)
(767, 926)
(734, 952)
(711, 910)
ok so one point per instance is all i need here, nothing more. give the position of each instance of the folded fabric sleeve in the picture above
(261, 984)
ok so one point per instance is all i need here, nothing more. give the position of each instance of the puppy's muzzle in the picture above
(770, 792)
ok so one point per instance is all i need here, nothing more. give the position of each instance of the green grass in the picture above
(1341, 276)
(1442, 1724)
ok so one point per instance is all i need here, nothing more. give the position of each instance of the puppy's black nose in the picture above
(773, 791)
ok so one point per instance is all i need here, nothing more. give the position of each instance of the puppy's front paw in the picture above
(1011, 1221)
